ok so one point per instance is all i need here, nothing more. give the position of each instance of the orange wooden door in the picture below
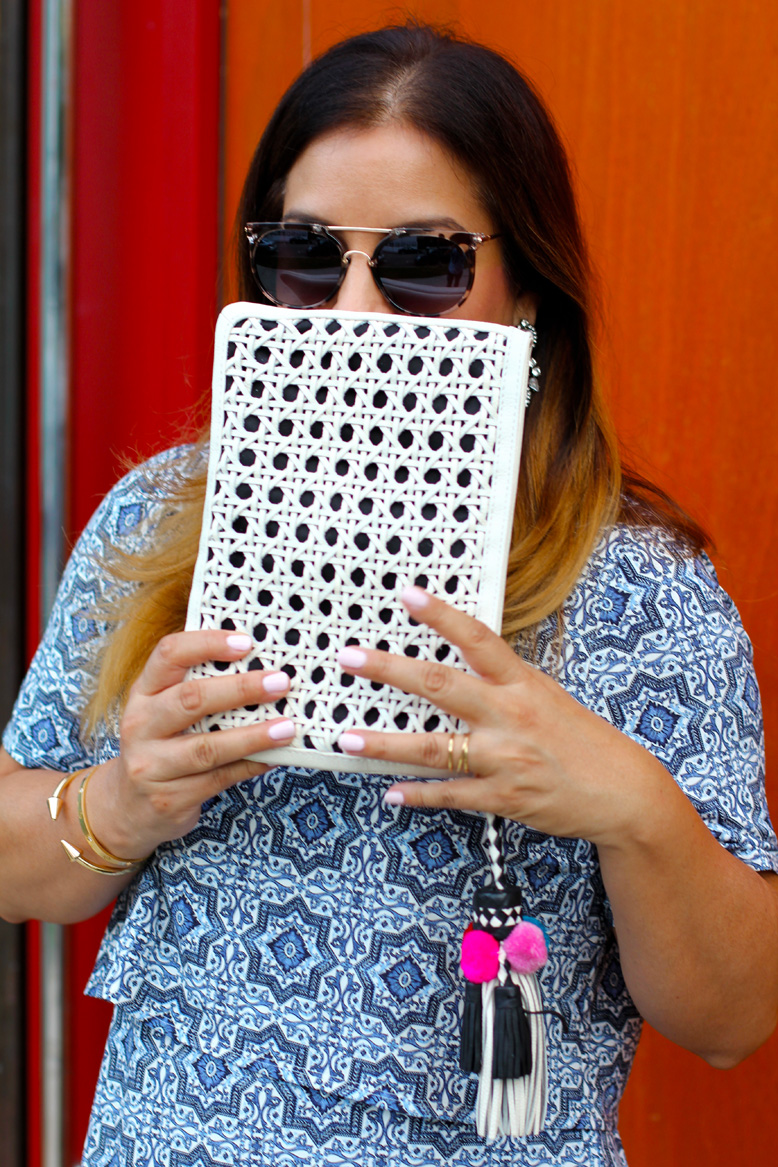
(669, 110)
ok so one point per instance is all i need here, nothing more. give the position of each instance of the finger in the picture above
(200, 753)
(416, 749)
(178, 801)
(216, 781)
(476, 795)
(181, 706)
(452, 690)
(485, 651)
(193, 790)
(180, 651)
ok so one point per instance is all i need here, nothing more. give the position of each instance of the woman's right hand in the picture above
(155, 789)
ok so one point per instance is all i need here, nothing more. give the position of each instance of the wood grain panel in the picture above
(669, 111)
(264, 52)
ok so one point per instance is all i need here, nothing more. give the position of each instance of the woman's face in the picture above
(395, 176)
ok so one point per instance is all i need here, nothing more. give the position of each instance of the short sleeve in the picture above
(658, 649)
(45, 727)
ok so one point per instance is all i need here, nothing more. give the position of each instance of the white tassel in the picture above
(516, 1107)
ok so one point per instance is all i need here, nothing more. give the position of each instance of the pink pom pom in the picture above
(480, 956)
(525, 947)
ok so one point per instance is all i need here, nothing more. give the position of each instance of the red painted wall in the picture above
(146, 92)
(145, 230)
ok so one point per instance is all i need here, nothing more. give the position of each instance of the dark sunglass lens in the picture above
(422, 274)
(297, 267)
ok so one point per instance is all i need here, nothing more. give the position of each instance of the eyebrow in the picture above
(293, 216)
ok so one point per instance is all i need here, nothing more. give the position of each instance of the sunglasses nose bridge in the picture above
(355, 251)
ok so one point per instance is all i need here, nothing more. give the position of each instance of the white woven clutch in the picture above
(351, 456)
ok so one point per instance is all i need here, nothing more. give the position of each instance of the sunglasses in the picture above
(302, 265)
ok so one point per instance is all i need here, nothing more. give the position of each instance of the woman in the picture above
(616, 725)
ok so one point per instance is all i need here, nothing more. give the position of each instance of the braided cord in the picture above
(494, 831)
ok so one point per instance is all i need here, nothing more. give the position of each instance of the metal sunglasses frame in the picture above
(470, 240)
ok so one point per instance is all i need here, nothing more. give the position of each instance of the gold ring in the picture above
(462, 760)
(450, 762)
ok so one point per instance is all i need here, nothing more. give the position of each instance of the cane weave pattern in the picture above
(352, 456)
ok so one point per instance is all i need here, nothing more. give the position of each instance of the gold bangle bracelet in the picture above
(75, 856)
(56, 799)
(95, 844)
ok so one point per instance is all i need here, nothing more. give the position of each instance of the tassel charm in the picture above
(472, 1031)
(503, 1034)
(512, 1057)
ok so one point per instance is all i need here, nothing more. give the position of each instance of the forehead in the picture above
(385, 176)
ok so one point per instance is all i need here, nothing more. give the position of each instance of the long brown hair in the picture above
(485, 114)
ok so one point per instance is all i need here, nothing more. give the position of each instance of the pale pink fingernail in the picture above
(414, 597)
(394, 798)
(352, 658)
(281, 730)
(351, 743)
(276, 683)
(239, 640)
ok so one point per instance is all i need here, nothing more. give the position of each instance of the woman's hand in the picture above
(154, 790)
(536, 754)
(151, 793)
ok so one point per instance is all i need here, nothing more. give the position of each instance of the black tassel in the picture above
(512, 1038)
(470, 1052)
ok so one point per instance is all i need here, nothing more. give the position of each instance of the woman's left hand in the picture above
(535, 754)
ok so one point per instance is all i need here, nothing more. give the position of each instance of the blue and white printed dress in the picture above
(285, 978)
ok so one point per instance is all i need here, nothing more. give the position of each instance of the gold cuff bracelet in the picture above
(94, 843)
(75, 856)
(55, 802)
(56, 799)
